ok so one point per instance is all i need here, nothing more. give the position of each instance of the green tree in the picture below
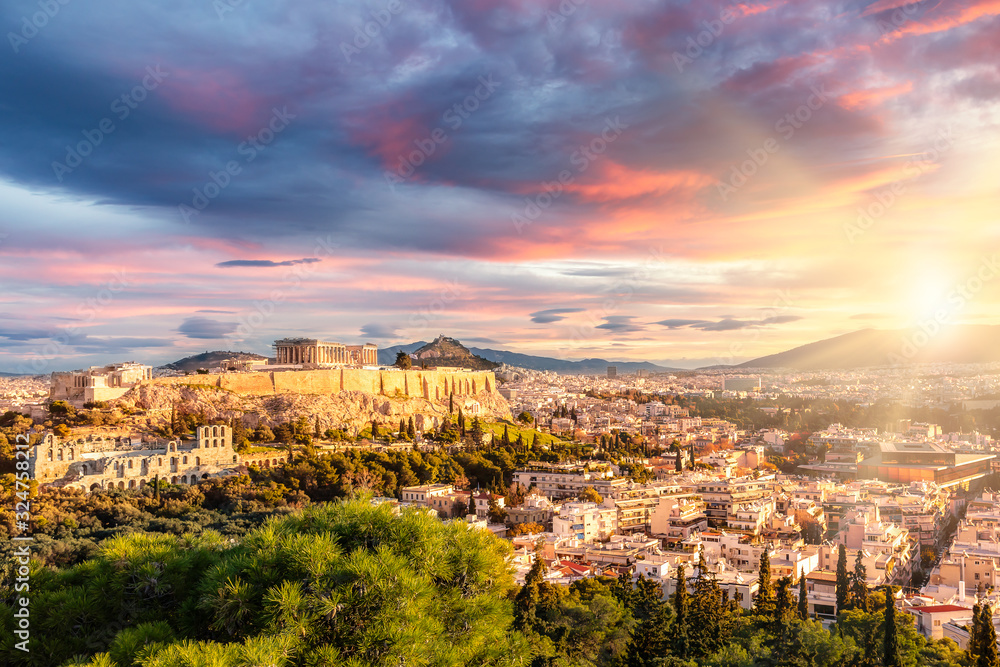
(525, 418)
(859, 584)
(403, 361)
(890, 642)
(764, 604)
(476, 432)
(843, 581)
(679, 639)
(589, 494)
(803, 607)
(650, 639)
(410, 430)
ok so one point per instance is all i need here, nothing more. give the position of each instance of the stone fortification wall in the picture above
(429, 385)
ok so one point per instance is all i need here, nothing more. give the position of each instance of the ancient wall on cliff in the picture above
(430, 385)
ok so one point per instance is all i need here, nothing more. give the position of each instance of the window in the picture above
(977, 576)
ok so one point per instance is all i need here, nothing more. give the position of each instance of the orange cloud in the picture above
(873, 96)
(618, 182)
(965, 15)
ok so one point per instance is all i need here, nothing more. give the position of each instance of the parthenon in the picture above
(317, 353)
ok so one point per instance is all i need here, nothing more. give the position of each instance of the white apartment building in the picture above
(588, 522)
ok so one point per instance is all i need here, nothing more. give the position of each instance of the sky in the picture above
(695, 182)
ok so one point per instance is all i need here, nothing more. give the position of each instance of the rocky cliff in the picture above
(272, 398)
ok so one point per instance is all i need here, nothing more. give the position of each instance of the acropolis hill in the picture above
(339, 397)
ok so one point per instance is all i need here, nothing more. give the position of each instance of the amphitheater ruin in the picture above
(107, 462)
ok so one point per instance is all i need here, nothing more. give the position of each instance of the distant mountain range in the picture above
(961, 344)
(585, 367)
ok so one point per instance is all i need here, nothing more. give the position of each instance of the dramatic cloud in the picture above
(621, 324)
(266, 262)
(378, 331)
(474, 163)
(203, 328)
(728, 323)
(553, 315)
(678, 324)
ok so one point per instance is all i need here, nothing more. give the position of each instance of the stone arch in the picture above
(267, 463)
(83, 469)
(131, 484)
(173, 480)
(130, 464)
(142, 483)
(215, 431)
(173, 447)
(96, 486)
(205, 476)
(121, 485)
(72, 454)
(50, 454)
(275, 461)
(184, 479)
(197, 460)
(184, 460)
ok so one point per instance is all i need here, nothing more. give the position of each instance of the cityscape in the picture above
(516, 333)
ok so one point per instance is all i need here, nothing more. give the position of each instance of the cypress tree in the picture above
(451, 402)
(783, 605)
(678, 465)
(520, 442)
(890, 647)
(975, 645)
(680, 638)
(402, 427)
(986, 638)
(859, 585)
(461, 423)
(843, 582)
(803, 609)
(505, 439)
(649, 639)
(410, 430)
(764, 604)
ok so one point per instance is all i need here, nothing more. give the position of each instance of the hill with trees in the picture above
(207, 360)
